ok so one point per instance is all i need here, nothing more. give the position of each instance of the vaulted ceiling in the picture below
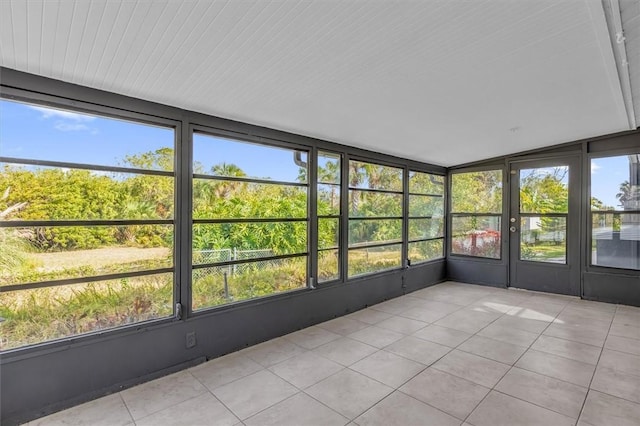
(445, 82)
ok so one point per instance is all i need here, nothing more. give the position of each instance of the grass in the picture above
(39, 315)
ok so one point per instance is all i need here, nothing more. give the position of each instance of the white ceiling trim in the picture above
(440, 81)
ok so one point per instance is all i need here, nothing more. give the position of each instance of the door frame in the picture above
(544, 276)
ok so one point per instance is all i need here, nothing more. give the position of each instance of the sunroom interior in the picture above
(320, 212)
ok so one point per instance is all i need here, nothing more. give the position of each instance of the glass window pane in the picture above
(374, 176)
(476, 192)
(218, 156)
(247, 240)
(374, 204)
(213, 199)
(328, 233)
(476, 236)
(421, 229)
(424, 205)
(426, 183)
(329, 200)
(37, 315)
(328, 265)
(44, 133)
(50, 193)
(374, 231)
(421, 251)
(615, 183)
(544, 190)
(543, 239)
(328, 167)
(54, 253)
(374, 259)
(220, 285)
(616, 240)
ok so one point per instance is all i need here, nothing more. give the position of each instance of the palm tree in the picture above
(625, 193)
(224, 189)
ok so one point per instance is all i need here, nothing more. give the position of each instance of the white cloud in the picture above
(69, 127)
(594, 167)
(67, 115)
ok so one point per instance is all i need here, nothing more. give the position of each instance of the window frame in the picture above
(589, 213)
(209, 131)
(409, 217)
(26, 97)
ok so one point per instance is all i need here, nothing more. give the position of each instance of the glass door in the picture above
(544, 225)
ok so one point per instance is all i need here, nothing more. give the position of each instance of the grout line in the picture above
(595, 370)
(126, 406)
(215, 397)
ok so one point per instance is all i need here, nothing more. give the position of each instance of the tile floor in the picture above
(452, 354)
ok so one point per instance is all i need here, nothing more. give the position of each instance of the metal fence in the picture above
(227, 255)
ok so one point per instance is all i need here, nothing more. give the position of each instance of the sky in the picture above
(35, 132)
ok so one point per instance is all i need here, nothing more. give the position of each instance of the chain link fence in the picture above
(227, 255)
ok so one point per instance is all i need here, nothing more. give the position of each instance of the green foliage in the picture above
(477, 192)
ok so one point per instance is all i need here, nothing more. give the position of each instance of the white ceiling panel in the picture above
(446, 82)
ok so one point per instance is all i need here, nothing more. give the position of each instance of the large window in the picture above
(329, 217)
(615, 211)
(375, 217)
(476, 209)
(426, 217)
(250, 215)
(86, 223)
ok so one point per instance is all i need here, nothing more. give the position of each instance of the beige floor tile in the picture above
(561, 397)
(312, 337)
(394, 306)
(349, 393)
(568, 349)
(451, 394)
(298, 410)
(623, 344)
(345, 351)
(376, 336)
(468, 320)
(536, 312)
(418, 350)
(578, 333)
(388, 368)
(224, 370)
(583, 316)
(305, 369)
(272, 352)
(602, 410)
(498, 409)
(158, 394)
(252, 394)
(535, 326)
(343, 325)
(401, 409)
(629, 331)
(471, 367)
(442, 335)
(508, 334)
(369, 316)
(493, 349)
(489, 304)
(106, 411)
(201, 410)
(401, 325)
(424, 315)
(620, 362)
(618, 384)
(568, 370)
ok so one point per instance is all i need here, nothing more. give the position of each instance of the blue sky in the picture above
(46, 134)
(35, 132)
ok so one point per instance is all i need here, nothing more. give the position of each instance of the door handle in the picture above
(513, 229)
